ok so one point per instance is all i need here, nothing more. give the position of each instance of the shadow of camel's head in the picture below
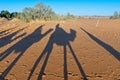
(72, 35)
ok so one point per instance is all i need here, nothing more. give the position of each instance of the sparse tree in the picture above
(14, 15)
(5, 14)
(119, 14)
(69, 16)
(116, 15)
(38, 12)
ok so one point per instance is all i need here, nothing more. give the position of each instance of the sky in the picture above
(76, 7)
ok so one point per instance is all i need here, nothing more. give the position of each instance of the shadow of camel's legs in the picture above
(46, 52)
(65, 64)
(78, 63)
(10, 67)
(44, 65)
(36, 64)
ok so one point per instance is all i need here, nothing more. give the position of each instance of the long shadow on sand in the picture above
(8, 39)
(61, 38)
(21, 46)
(107, 47)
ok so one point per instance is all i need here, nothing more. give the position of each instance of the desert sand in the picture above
(60, 50)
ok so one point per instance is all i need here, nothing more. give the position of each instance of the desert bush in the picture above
(5, 14)
(116, 15)
(14, 15)
(38, 12)
(70, 16)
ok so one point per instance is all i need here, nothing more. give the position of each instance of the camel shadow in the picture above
(8, 39)
(5, 32)
(61, 38)
(21, 46)
(106, 46)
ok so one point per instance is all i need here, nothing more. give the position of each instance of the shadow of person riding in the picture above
(61, 38)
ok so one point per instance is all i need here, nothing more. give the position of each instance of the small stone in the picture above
(7, 61)
(12, 74)
(37, 73)
(99, 76)
(44, 74)
(24, 65)
(70, 73)
(74, 74)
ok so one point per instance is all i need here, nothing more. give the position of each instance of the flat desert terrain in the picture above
(84, 49)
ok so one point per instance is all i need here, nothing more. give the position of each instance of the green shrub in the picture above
(5, 14)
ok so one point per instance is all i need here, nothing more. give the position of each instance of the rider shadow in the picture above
(106, 46)
(21, 46)
(61, 38)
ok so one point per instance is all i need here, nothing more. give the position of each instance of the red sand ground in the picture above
(26, 51)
